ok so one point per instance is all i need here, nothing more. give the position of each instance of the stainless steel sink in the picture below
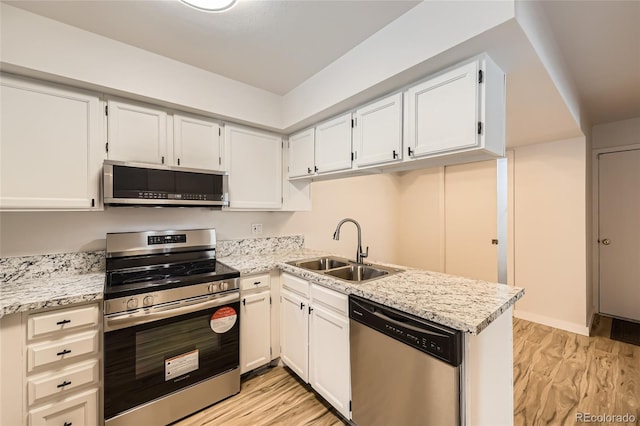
(320, 264)
(358, 273)
(344, 269)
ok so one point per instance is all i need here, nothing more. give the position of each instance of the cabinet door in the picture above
(329, 369)
(255, 331)
(294, 333)
(301, 154)
(377, 132)
(52, 146)
(196, 143)
(136, 132)
(333, 144)
(255, 168)
(443, 112)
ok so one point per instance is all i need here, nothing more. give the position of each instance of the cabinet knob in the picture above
(308, 170)
(310, 310)
(606, 241)
(63, 384)
(315, 168)
(67, 424)
(395, 154)
(64, 352)
(63, 322)
(301, 306)
(257, 283)
(410, 151)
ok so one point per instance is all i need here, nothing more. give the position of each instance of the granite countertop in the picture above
(55, 290)
(460, 303)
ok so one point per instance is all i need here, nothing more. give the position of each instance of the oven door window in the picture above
(148, 361)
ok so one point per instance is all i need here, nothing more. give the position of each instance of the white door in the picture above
(333, 145)
(619, 233)
(329, 368)
(136, 132)
(255, 331)
(197, 143)
(255, 168)
(471, 220)
(301, 154)
(52, 146)
(377, 132)
(443, 112)
(294, 333)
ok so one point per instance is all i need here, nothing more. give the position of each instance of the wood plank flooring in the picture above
(556, 375)
(274, 397)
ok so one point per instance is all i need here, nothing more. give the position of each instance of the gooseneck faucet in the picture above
(359, 253)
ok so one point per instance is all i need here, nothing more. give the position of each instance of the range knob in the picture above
(213, 287)
(132, 303)
(224, 286)
(147, 301)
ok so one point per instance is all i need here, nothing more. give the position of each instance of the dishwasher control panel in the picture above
(439, 341)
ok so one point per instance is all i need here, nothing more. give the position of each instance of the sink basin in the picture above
(344, 269)
(321, 264)
(358, 273)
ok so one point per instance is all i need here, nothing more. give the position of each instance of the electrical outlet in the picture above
(256, 228)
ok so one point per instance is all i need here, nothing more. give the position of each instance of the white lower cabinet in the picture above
(51, 371)
(314, 335)
(255, 322)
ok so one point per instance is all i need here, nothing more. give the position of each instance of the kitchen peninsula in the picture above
(481, 310)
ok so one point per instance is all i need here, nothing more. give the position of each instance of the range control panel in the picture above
(166, 239)
(439, 341)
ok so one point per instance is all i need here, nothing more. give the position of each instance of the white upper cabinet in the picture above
(461, 110)
(255, 168)
(136, 132)
(301, 154)
(197, 143)
(377, 132)
(52, 146)
(333, 145)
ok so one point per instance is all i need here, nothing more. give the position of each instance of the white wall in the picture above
(550, 252)
(618, 133)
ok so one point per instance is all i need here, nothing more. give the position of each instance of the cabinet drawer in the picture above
(68, 348)
(295, 284)
(330, 298)
(255, 281)
(60, 383)
(61, 320)
(78, 410)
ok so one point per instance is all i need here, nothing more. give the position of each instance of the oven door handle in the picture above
(142, 316)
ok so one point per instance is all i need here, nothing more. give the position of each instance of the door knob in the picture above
(606, 241)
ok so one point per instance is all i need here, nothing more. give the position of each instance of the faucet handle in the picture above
(366, 253)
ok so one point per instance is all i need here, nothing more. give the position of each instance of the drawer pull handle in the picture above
(63, 384)
(257, 283)
(67, 424)
(63, 322)
(64, 352)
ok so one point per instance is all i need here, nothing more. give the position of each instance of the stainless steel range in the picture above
(171, 326)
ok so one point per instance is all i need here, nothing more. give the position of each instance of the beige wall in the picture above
(550, 233)
(371, 200)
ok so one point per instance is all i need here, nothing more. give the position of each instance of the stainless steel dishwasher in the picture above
(404, 370)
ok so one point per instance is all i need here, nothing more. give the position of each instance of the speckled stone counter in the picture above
(460, 303)
(45, 292)
(37, 282)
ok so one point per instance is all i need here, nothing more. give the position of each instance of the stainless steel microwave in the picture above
(143, 184)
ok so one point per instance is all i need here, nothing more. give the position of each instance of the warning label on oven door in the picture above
(223, 319)
(181, 364)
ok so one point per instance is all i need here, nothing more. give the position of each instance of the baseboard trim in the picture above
(552, 322)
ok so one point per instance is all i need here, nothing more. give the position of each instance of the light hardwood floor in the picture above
(556, 375)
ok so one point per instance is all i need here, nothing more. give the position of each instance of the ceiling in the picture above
(269, 44)
(277, 44)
